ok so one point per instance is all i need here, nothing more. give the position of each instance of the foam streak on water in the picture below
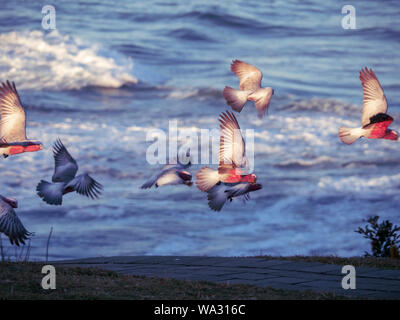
(38, 61)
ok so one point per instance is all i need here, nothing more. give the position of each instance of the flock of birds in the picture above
(230, 180)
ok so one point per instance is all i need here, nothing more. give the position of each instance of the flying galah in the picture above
(13, 138)
(229, 180)
(65, 179)
(171, 174)
(374, 120)
(10, 224)
(250, 89)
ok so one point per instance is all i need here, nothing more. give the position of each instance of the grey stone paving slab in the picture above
(269, 263)
(238, 262)
(382, 274)
(378, 286)
(298, 274)
(296, 265)
(249, 276)
(323, 284)
(280, 274)
(322, 268)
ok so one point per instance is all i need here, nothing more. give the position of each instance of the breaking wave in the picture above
(36, 60)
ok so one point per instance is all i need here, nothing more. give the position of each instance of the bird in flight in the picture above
(170, 174)
(230, 180)
(13, 138)
(10, 224)
(249, 89)
(374, 120)
(65, 180)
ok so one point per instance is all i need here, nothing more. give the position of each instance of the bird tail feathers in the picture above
(207, 178)
(50, 192)
(349, 135)
(235, 98)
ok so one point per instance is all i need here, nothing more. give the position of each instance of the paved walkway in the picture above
(281, 274)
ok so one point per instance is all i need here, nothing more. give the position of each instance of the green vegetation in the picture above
(384, 237)
(21, 280)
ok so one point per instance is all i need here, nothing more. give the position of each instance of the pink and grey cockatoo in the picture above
(13, 138)
(230, 180)
(374, 120)
(170, 174)
(249, 89)
(65, 179)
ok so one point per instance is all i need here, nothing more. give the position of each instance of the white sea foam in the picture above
(386, 184)
(35, 60)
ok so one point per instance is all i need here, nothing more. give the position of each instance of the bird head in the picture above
(184, 175)
(391, 135)
(250, 178)
(11, 201)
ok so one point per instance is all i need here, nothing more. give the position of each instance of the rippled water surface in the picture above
(111, 73)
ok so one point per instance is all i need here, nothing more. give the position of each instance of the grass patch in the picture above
(373, 262)
(23, 281)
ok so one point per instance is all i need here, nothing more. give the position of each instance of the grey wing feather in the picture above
(149, 183)
(217, 197)
(85, 185)
(65, 166)
(240, 189)
(13, 117)
(11, 226)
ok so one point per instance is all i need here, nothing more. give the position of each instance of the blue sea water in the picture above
(111, 72)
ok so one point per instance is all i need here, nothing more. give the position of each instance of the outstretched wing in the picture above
(85, 185)
(13, 118)
(231, 145)
(65, 166)
(11, 226)
(374, 97)
(239, 189)
(217, 197)
(149, 183)
(249, 76)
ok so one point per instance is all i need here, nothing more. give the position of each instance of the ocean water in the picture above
(111, 73)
